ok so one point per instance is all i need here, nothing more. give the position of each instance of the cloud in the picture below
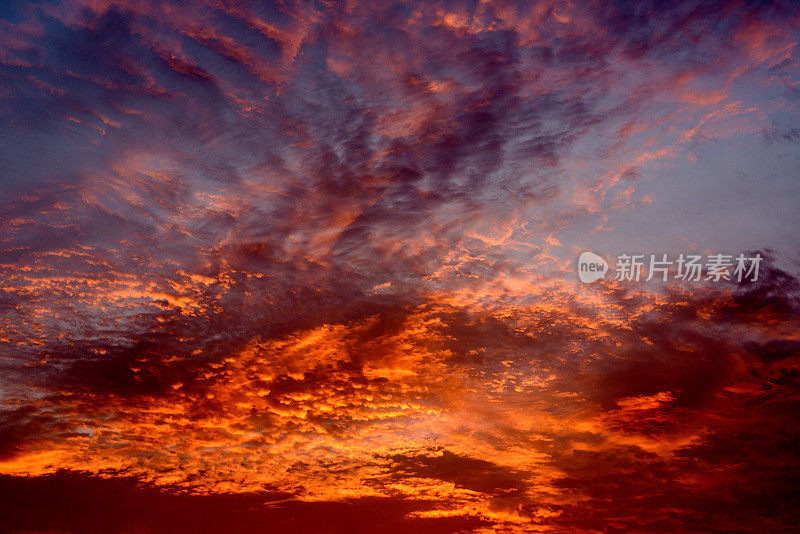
(305, 264)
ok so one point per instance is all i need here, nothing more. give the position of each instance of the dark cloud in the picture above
(81, 503)
(470, 473)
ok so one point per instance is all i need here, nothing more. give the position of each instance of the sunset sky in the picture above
(279, 266)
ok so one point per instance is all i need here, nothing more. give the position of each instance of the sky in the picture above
(311, 266)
